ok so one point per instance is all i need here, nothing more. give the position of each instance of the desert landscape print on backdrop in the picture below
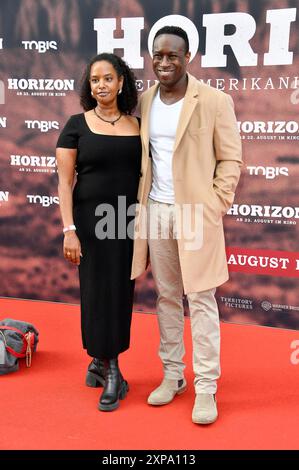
(32, 265)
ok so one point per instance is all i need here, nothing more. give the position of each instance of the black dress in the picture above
(107, 167)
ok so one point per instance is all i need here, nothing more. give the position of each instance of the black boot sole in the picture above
(122, 394)
(94, 380)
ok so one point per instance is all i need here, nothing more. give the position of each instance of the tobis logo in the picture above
(40, 46)
(43, 126)
(45, 201)
(269, 172)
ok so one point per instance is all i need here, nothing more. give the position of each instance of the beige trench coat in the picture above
(206, 169)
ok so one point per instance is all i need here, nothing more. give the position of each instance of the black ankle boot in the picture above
(115, 386)
(95, 376)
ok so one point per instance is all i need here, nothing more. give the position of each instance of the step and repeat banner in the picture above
(249, 49)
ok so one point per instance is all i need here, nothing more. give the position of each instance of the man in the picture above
(190, 165)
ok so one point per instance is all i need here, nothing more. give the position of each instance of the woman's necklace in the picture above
(106, 120)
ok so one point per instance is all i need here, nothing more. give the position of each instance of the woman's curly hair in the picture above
(127, 100)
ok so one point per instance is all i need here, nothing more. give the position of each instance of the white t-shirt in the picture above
(164, 120)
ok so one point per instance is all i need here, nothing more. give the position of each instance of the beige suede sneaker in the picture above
(166, 392)
(205, 409)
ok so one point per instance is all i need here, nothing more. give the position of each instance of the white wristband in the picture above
(70, 227)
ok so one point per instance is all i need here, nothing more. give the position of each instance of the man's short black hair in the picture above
(177, 31)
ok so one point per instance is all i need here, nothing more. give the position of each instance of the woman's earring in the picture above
(119, 91)
(91, 93)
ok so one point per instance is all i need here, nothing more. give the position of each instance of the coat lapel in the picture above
(145, 121)
(190, 101)
(189, 104)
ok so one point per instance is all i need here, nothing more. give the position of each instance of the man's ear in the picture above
(187, 57)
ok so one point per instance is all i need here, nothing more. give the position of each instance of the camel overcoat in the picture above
(206, 168)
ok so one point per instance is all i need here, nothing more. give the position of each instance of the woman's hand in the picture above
(72, 247)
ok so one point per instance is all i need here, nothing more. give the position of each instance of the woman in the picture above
(103, 147)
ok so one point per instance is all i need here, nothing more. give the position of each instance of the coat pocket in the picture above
(213, 207)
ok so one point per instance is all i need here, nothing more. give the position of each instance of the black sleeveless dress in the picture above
(108, 170)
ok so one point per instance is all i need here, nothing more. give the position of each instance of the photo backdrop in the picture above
(247, 48)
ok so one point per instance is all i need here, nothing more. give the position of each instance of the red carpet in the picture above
(49, 407)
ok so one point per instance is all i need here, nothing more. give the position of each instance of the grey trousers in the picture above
(203, 307)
